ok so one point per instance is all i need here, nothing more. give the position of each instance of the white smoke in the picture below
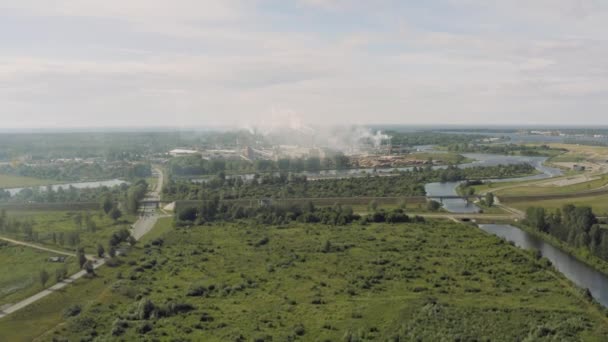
(285, 126)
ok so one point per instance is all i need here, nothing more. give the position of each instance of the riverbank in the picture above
(581, 254)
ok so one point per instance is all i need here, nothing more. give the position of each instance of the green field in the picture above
(20, 268)
(46, 222)
(446, 158)
(434, 281)
(551, 190)
(10, 181)
(599, 203)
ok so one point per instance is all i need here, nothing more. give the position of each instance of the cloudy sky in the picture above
(84, 63)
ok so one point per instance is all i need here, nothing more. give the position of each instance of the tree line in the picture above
(78, 171)
(268, 213)
(577, 226)
(508, 149)
(290, 185)
(191, 165)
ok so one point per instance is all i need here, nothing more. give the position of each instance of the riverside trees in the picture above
(576, 226)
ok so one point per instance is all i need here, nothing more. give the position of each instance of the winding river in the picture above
(456, 205)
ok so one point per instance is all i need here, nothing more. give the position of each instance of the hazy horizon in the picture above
(185, 63)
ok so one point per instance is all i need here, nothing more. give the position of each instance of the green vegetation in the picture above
(598, 203)
(576, 226)
(508, 149)
(408, 183)
(78, 171)
(62, 229)
(21, 270)
(429, 281)
(12, 181)
(540, 189)
(431, 138)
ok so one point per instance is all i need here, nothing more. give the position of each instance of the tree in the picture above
(44, 277)
(433, 205)
(88, 267)
(373, 205)
(100, 250)
(61, 273)
(78, 220)
(489, 199)
(112, 251)
(106, 204)
(131, 240)
(82, 259)
(115, 214)
(326, 247)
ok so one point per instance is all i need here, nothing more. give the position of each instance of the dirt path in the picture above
(32, 245)
(141, 227)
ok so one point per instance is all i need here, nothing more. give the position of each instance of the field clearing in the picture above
(431, 281)
(599, 203)
(446, 158)
(20, 270)
(553, 186)
(47, 222)
(10, 181)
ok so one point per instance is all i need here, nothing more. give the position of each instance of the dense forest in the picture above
(576, 226)
(430, 138)
(113, 145)
(287, 185)
(216, 210)
(508, 149)
(187, 166)
(127, 195)
(78, 171)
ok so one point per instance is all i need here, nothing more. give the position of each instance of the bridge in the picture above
(466, 198)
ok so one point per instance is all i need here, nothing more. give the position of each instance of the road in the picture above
(147, 212)
(38, 296)
(145, 223)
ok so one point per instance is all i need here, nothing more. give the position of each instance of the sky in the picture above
(181, 63)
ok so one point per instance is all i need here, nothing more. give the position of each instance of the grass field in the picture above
(10, 181)
(599, 203)
(20, 268)
(51, 221)
(446, 158)
(532, 189)
(242, 282)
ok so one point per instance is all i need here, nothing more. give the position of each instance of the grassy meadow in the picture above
(599, 203)
(20, 271)
(10, 181)
(47, 222)
(243, 282)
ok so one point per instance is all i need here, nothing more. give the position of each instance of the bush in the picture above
(144, 328)
(299, 330)
(197, 291)
(145, 308)
(118, 327)
(72, 310)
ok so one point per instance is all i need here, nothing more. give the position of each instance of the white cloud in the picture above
(212, 62)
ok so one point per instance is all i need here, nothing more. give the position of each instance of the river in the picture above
(578, 272)
(77, 185)
(456, 205)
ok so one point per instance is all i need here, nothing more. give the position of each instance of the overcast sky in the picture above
(84, 63)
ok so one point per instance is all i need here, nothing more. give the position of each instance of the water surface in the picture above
(578, 272)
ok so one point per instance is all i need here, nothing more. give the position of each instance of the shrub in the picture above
(72, 310)
(299, 330)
